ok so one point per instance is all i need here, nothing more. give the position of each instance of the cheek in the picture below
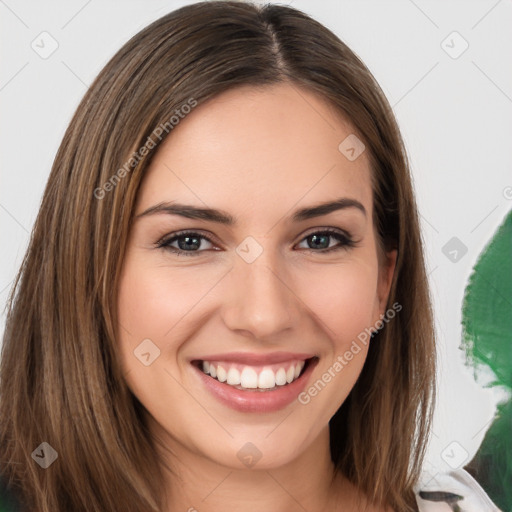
(343, 298)
(150, 307)
(144, 313)
(154, 300)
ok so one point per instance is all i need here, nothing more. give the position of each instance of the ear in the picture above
(387, 264)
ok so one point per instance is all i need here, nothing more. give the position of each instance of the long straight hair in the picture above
(60, 379)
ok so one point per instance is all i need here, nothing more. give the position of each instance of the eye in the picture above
(189, 242)
(321, 238)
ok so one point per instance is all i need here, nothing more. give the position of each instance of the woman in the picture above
(224, 300)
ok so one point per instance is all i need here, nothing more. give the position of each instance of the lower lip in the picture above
(272, 400)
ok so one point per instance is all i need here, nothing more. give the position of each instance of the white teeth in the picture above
(248, 378)
(221, 374)
(267, 379)
(280, 377)
(233, 377)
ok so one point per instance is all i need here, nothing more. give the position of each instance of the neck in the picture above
(306, 482)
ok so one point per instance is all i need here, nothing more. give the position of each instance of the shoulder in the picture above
(452, 490)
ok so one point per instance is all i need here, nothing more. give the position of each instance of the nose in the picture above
(261, 300)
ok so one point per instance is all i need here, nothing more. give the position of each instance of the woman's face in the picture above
(257, 297)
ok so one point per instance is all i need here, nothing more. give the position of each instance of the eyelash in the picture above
(346, 242)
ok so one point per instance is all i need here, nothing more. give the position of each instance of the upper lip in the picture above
(249, 358)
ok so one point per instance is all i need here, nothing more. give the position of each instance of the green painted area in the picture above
(487, 338)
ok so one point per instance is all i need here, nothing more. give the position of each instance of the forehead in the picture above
(264, 149)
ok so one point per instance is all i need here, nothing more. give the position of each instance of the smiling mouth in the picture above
(254, 378)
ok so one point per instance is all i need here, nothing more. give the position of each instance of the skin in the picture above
(258, 154)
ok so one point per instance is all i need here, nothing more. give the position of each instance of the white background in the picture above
(454, 113)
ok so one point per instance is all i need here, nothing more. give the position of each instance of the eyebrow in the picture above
(222, 217)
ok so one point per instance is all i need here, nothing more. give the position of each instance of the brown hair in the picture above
(60, 380)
